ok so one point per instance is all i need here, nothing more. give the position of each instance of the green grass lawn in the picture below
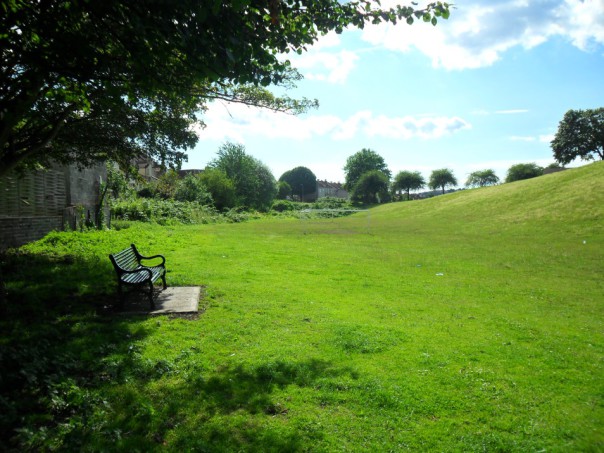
(467, 322)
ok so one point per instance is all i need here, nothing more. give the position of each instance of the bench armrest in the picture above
(141, 257)
(154, 257)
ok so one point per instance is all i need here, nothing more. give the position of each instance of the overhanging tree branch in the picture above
(166, 59)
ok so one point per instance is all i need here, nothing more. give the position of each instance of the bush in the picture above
(236, 215)
(282, 205)
(166, 185)
(301, 181)
(220, 187)
(322, 208)
(371, 187)
(145, 192)
(169, 212)
(192, 188)
(331, 203)
(284, 190)
(255, 185)
(163, 211)
(519, 172)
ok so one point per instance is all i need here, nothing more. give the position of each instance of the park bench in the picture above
(132, 272)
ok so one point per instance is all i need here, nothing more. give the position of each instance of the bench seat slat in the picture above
(142, 276)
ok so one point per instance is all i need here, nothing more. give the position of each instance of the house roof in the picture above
(329, 185)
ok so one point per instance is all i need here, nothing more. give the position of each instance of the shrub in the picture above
(523, 171)
(282, 205)
(255, 185)
(163, 211)
(301, 181)
(371, 187)
(331, 203)
(192, 188)
(167, 184)
(236, 215)
(284, 190)
(220, 187)
(145, 192)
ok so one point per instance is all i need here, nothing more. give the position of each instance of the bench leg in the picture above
(163, 279)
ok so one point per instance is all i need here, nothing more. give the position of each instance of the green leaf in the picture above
(434, 21)
(410, 20)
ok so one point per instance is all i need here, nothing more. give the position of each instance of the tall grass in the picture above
(468, 322)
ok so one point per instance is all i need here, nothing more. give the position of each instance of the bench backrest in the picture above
(125, 260)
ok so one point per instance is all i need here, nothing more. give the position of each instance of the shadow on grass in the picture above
(52, 341)
(232, 409)
(73, 378)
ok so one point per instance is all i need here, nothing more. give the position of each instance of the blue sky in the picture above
(485, 89)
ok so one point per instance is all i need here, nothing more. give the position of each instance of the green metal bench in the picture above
(132, 272)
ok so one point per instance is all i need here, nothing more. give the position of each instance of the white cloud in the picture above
(225, 121)
(323, 62)
(408, 127)
(234, 122)
(546, 138)
(331, 67)
(484, 112)
(540, 138)
(583, 22)
(331, 39)
(479, 32)
(511, 111)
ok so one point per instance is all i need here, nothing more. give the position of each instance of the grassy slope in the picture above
(471, 321)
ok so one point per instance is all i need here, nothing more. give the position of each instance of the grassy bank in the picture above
(471, 321)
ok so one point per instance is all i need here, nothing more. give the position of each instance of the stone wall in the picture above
(39, 193)
(15, 231)
(37, 203)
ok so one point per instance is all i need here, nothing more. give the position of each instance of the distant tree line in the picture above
(580, 135)
(234, 179)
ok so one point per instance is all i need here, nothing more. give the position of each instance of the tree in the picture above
(441, 179)
(166, 185)
(301, 180)
(220, 187)
(523, 171)
(408, 181)
(267, 188)
(372, 187)
(360, 163)
(192, 188)
(92, 80)
(284, 190)
(482, 178)
(580, 134)
(255, 186)
(553, 165)
(118, 183)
